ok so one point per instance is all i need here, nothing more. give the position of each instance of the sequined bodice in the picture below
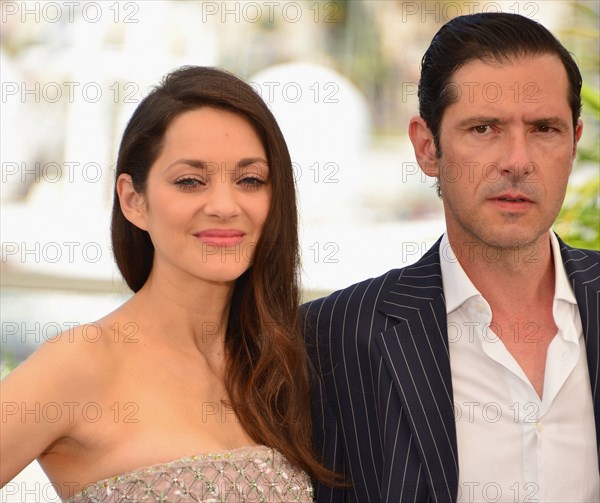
(249, 474)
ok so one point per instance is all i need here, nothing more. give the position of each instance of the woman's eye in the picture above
(188, 183)
(252, 182)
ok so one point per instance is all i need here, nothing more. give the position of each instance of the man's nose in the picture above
(516, 160)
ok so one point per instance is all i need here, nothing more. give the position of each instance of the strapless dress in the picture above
(247, 474)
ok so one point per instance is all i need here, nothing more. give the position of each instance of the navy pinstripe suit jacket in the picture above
(383, 412)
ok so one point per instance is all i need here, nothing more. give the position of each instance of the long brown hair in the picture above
(267, 375)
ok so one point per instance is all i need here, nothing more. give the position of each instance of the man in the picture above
(473, 375)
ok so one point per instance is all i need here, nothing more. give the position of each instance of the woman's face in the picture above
(207, 197)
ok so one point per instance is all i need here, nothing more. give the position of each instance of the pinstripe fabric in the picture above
(583, 271)
(383, 404)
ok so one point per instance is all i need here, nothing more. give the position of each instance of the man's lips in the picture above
(513, 198)
(513, 202)
(221, 237)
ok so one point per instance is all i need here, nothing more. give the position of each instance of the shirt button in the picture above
(539, 426)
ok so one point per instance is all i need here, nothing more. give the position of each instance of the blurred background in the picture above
(341, 78)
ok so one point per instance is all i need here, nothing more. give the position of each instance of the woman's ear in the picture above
(132, 203)
(424, 146)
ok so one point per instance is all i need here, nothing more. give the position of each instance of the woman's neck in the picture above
(183, 313)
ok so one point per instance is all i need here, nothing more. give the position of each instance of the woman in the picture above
(196, 389)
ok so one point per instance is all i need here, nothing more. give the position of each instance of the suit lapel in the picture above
(415, 351)
(583, 271)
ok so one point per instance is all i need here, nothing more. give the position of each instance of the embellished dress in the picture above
(248, 474)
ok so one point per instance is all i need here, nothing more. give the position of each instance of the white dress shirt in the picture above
(512, 446)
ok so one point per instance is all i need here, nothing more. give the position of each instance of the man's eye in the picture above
(481, 129)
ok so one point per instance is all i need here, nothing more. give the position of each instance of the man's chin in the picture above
(514, 239)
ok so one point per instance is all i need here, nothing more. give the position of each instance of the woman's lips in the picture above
(221, 237)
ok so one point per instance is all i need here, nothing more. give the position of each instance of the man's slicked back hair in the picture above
(486, 37)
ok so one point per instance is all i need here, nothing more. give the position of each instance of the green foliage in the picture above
(579, 220)
(7, 363)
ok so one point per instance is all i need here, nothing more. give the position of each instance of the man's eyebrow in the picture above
(556, 122)
(553, 121)
(479, 121)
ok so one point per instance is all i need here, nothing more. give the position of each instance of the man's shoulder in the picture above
(582, 265)
(576, 254)
(367, 293)
(369, 288)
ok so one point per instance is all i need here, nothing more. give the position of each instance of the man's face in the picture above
(507, 149)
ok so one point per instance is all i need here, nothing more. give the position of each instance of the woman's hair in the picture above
(267, 374)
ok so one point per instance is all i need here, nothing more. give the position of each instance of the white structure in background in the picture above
(325, 121)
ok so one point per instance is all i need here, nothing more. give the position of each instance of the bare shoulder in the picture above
(74, 365)
(81, 354)
(38, 396)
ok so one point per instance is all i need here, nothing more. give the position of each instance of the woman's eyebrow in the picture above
(247, 161)
(213, 166)
(194, 163)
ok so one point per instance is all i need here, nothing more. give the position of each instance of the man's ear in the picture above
(424, 146)
(578, 133)
(132, 203)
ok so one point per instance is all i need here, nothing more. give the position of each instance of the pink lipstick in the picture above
(221, 237)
